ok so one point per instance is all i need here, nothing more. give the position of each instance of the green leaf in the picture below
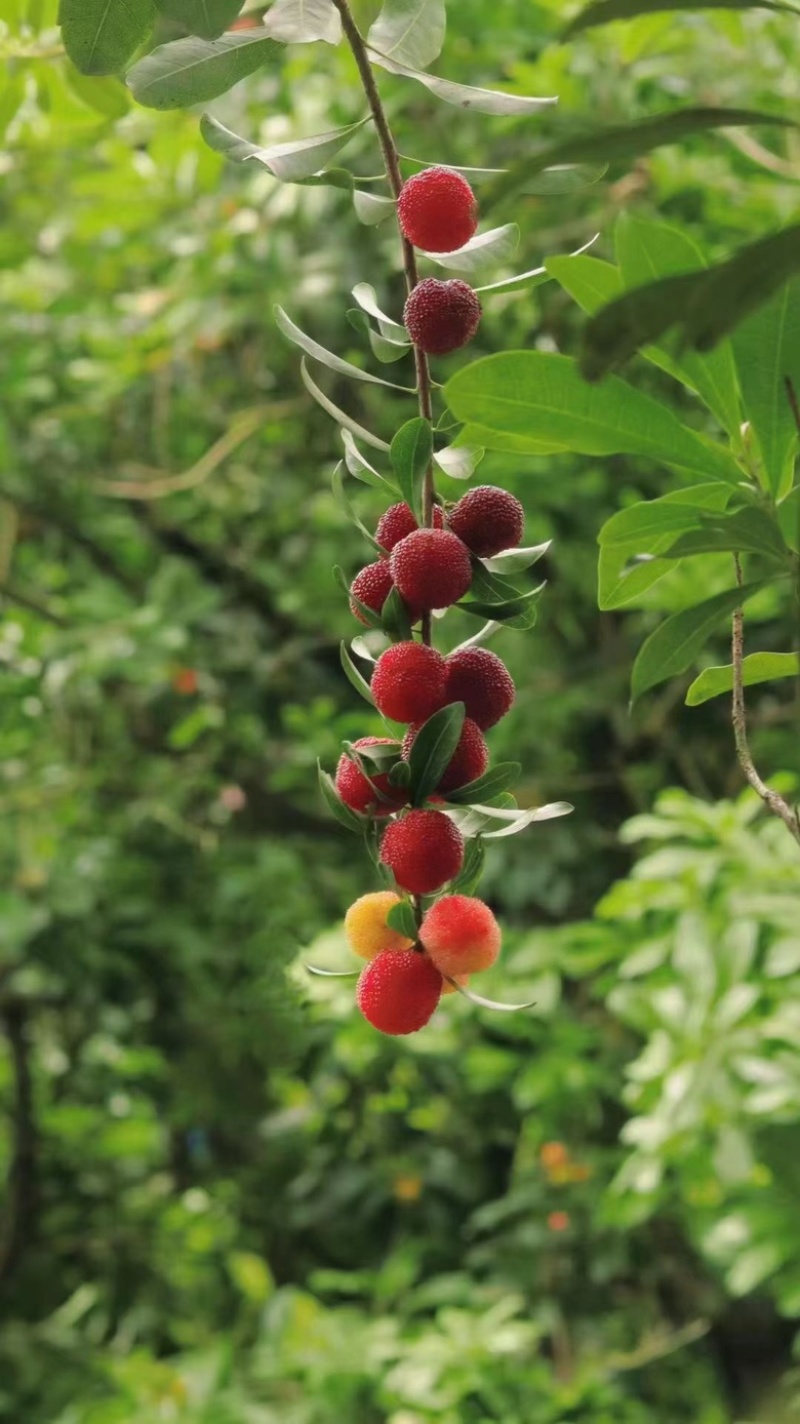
(496, 245)
(767, 350)
(325, 357)
(412, 449)
(647, 251)
(107, 96)
(367, 299)
(512, 561)
(534, 394)
(372, 209)
(623, 141)
(396, 620)
(756, 667)
(101, 35)
(401, 919)
(341, 497)
(479, 819)
(293, 162)
(704, 305)
(500, 778)
(192, 71)
(331, 973)
(350, 819)
(342, 419)
(490, 587)
(602, 12)
(648, 529)
(206, 18)
(747, 531)
(433, 749)
(409, 31)
(358, 465)
(483, 1003)
(519, 612)
(302, 21)
(676, 643)
(468, 879)
(464, 96)
(459, 462)
(353, 676)
(590, 281)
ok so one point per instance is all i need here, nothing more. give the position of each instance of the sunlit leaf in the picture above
(675, 644)
(192, 71)
(602, 12)
(464, 96)
(321, 354)
(756, 667)
(302, 21)
(496, 245)
(101, 35)
(342, 419)
(409, 32)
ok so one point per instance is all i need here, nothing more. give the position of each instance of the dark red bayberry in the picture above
(398, 521)
(431, 568)
(437, 210)
(482, 682)
(488, 520)
(371, 587)
(441, 316)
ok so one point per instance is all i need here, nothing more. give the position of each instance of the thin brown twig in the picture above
(772, 799)
(21, 1196)
(394, 176)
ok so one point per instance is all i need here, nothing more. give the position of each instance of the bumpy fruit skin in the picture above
(398, 521)
(372, 587)
(437, 210)
(431, 568)
(366, 928)
(398, 991)
(469, 760)
(423, 850)
(479, 679)
(488, 520)
(408, 682)
(441, 316)
(461, 935)
(358, 792)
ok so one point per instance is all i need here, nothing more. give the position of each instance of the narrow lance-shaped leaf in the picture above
(359, 466)
(602, 12)
(101, 35)
(497, 245)
(767, 351)
(756, 668)
(459, 462)
(342, 419)
(483, 1003)
(411, 455)
(499, 778)
(206, 18)
(512, 561)
(524, 281)
(192, 71)
(350, 819)
(302, 21)
(367, 299)
(747, 531)
(327, 358)
(433, 749)
(675, 644)
(341, 497)
(371, 208)
(409, 31)
(472, 869)
(354, 677)
(464, 96)
(293, 162)
(648, 529)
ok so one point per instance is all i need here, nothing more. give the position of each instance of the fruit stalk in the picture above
(390, 157)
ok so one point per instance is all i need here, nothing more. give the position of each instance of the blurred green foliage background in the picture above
(245, 1206)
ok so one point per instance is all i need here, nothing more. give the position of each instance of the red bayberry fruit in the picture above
(441, 316)
(482, 682)
(423, 850)
(488, 520)
(371, 587)
(461, 935)
(431, 568)
(398, 521)
(360, 792)
(437, 210)
(469, 760)
(398, 991)
(408, 682)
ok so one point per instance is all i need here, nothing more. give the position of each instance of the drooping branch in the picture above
(391, 159)
(20, 1212)
(772, 799)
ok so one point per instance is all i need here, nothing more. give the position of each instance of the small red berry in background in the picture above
(441, 316)
(469, 760)
(398, 991)
(371, 587)
(478, 678)
(366, 793)
(408, 682)
(398, 521)
(185, 681)
(437, 210)
(233, 798)
(558, 1221)
(488, 520)
(431, 568)
(461, 935)
(423, 850)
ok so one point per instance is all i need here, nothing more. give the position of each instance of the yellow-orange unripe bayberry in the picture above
(366, 928)
(437, 210)
(423, 850)
(461, 935)
(398, 991)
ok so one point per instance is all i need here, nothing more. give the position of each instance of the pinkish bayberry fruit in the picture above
(437, 210)
(482, 682)
(441, 316)
(461, 935)
(408, 682)
(398, 521)
(371, 587)
(365, 793)
(431, 568)
(469, 760)
(488, 520)
(423, 850)
(398, 991)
